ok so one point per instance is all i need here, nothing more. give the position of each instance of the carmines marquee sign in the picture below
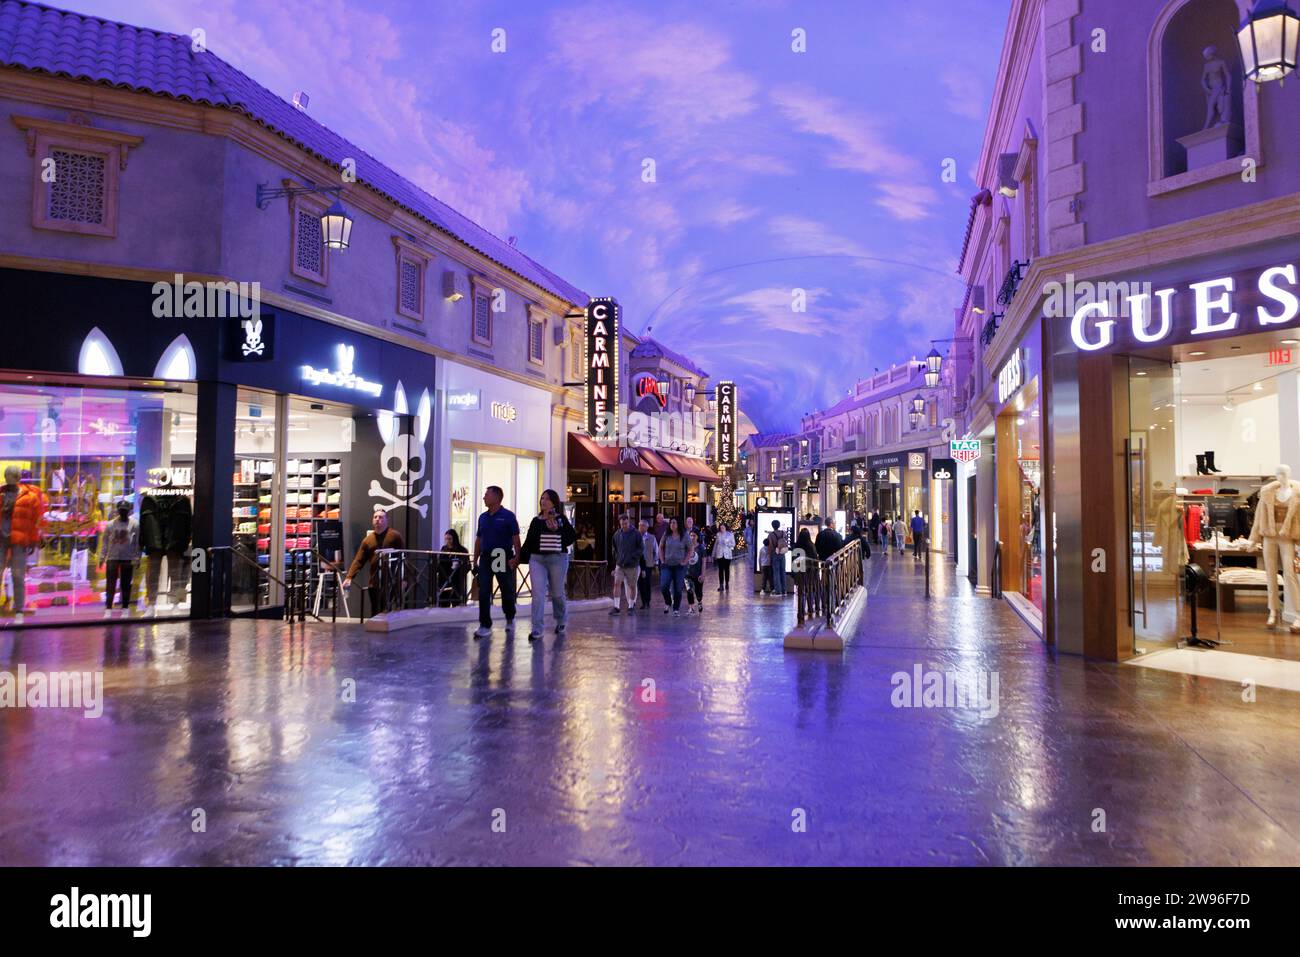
(602, 368)
(726, 450)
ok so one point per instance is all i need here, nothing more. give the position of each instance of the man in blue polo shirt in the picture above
(496, 556)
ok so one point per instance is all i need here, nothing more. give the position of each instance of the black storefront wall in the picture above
(57, 312)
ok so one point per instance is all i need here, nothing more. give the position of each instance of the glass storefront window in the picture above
(98, 491)
(1205, 440)
(474, 469)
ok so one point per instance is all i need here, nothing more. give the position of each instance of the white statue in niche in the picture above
(1216, 82)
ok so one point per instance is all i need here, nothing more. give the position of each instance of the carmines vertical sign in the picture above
(602, 368)
(726, 425)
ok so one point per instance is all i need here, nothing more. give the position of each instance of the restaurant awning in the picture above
(692, 468)
(586, 453)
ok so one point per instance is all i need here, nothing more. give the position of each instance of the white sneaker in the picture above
(18, 618)
(482, 632)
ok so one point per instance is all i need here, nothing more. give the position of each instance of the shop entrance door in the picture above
(972, 539)
(1156, 540)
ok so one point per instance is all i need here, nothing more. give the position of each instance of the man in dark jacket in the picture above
(380, 537)
(828, 541)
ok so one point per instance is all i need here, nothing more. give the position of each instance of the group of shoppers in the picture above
(673, 553)
(891, 532)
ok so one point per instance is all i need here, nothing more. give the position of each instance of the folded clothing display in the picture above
(1244, 576)
(1228, 545)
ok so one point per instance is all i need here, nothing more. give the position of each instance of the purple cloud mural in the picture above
(703, 163)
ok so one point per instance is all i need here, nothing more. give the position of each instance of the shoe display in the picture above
(1209, 464)
(1200, 464)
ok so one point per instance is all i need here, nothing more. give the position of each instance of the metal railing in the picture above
(1011, 282)
(220, 580)
(823, 588)
(416, 578)
(311, 581)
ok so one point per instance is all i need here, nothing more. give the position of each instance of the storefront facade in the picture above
(1013, 533)
(1177, 426)
(900, 482)
(492, 431)
(262, 433)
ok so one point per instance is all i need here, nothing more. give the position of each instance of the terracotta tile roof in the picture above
(46, 40)
(650, 347)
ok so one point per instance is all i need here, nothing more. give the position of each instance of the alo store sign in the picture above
(726, 425)
(602, 368)
(1240, 303)
(943, 469)
(342, 375)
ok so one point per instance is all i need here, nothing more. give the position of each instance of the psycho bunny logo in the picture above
(402, 461)
(253, 344)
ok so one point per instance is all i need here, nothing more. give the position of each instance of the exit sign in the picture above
(1279, 357)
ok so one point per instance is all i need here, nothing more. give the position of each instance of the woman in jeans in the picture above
(695, 552)
(672, 568)
(546, 550)
(724, 548)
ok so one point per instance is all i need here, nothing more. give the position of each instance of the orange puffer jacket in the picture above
(28, 517)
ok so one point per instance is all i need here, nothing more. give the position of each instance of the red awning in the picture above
(586, 453)
(692, 468)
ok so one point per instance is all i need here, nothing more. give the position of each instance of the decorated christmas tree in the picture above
(726, 514)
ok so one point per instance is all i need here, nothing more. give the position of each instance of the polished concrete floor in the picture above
(501, 752)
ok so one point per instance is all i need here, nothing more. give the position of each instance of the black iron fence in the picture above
(823, 588)
(404, 579)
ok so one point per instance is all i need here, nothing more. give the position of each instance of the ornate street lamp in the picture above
(933, 366)
(1267, 38)
(336, 226)
(335, 223)
(918, 409)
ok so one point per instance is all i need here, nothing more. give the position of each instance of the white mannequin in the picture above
(1277, 528)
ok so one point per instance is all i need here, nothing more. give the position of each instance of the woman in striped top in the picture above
(546, 550)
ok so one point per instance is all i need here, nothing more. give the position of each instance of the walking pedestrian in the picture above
(660, 528)
(724, 547)
(900, 534)
(765, 566)
(694, 574)
(627, 564)
(649, 562)
(918, 534)
(496, 557)
(672, 568)
(546, 550)
(777, 546)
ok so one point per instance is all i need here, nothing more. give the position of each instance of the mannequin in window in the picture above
(1277, 528)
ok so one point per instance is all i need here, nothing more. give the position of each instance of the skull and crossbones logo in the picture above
(253, 344)
(402, 460)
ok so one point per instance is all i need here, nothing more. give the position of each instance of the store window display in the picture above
(1205, 439)
(77, 454)
(1277, 529)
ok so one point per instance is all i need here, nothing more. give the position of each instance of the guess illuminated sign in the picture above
(1012, 376)
(602, 368)
(726, 450)
(1215, 306)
